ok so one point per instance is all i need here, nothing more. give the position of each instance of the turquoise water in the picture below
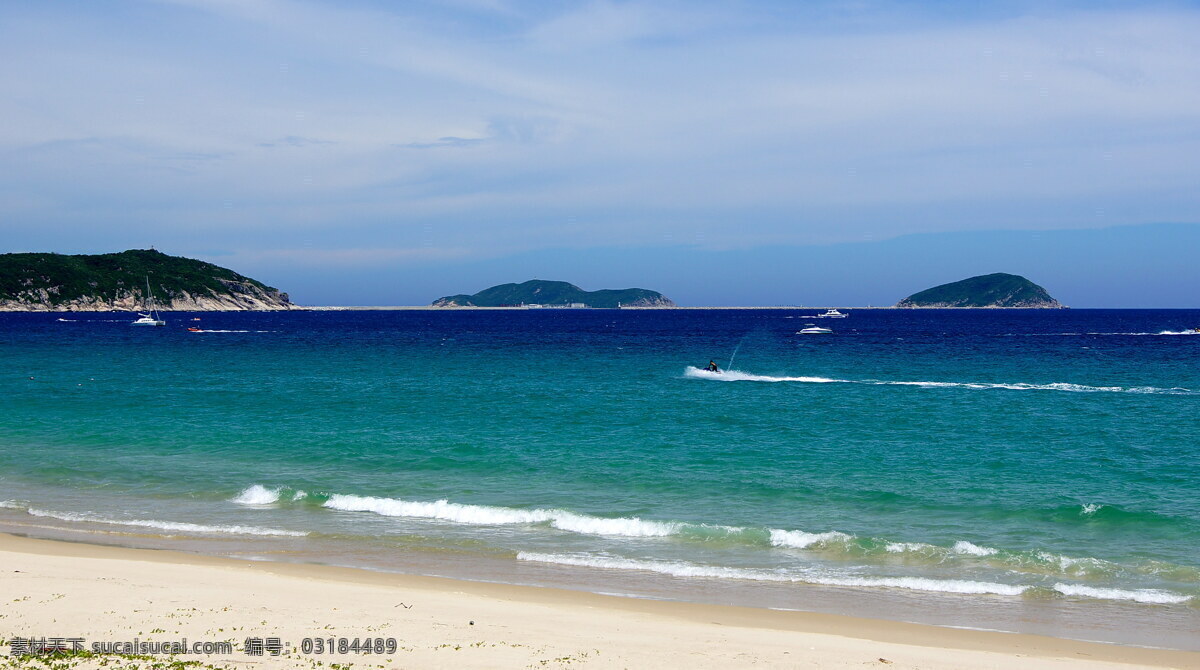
(991, 456)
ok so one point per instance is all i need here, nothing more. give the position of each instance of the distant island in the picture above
(541, 293)
(994, 290)
(46, 282)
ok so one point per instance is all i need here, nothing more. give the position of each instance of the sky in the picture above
(736, 152)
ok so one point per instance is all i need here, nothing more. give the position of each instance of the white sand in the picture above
(60, 589)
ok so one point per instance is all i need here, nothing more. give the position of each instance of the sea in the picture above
(1017, 470)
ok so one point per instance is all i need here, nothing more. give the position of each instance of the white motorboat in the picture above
(832, 314)
(151, 319)
(148, 320)
(814, 330)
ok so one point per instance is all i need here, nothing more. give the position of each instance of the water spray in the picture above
(735, 350)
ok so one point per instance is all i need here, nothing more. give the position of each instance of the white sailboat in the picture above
(151, 319)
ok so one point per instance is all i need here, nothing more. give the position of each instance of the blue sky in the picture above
(378, 152)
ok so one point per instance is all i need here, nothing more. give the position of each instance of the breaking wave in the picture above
(585, 524)
(798, 539)
(825, 577)
(686, 569)
(829, 544)
(180, 526)
(257, 495)
(969, 549)
(1153, 596)
(830, 557)
(487, 515)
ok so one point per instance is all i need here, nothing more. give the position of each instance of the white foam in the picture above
(167, 525)
(673, 568)
(682, 569)
(1160, 332)
(486, 515)
(1139, 595)
(625, 527)
(798, 539)
(905, 547)
(1077, 566)
(1089, 509)
(1057, 386)
(1065, 564)
(441, 509)
(925, 584)
(738, 375)
(964, 547)
(257, 494)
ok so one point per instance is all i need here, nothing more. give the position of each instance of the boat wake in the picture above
(738, 375)
(1145, 334)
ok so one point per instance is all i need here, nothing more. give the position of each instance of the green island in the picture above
(41, 282)
(542, 293)
(994, 290)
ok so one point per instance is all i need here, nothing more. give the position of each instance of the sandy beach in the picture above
(55, 589)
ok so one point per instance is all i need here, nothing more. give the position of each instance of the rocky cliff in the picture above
(105, 282)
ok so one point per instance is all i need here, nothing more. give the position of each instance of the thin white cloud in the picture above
(605, 24)
(345, 258)
(639, 121)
